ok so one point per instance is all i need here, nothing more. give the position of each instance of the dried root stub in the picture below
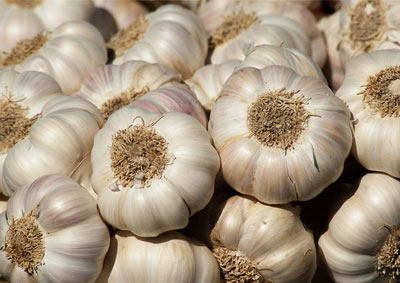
(277, 118)
(29, 4)
(387, 261)
(14, 126)
(24, 49)
(233, 25)
(382, 92)
(24, 243)
(138, 150)
(126, 38)
(236, 268)
(367, 24)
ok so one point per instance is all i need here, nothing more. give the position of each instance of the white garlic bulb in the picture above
(20, 19)
(59, 142)
(361, 244)
(151, 171)
(255, 242)
(52, 232)
(170, 257)
(22, 97)
(371, 90)
(281, 137)
(171, 35)
(67, 54)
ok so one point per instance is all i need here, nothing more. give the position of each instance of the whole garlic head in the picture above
(151, 171)
(171, 35)
(281, 137)
(361, 244)
(170, 257)
(59, 142)
(67, 54)
(52, 232)
(371, 90)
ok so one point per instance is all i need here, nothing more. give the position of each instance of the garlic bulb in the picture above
(151, 171)
(368, 25)
(59, 142)
(254, 242)
(281, 137)
(371, 90)
(67, 54)
(22, 97)
(170, 257)
(362, 241)
(52, 232)
(20, 19)
(241, 28)
(172, 36)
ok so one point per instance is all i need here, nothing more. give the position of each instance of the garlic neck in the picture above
(388, 257)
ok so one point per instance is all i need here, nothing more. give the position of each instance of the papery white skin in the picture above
(375, 138)
(170, 257)
(357, 231)
(59, 142)
(270, 174)
(175, 38)
(269, 29)
(75, 238)
(185, 187)
(273, 237)
(73, 50)
(31, 90)
(18, 23)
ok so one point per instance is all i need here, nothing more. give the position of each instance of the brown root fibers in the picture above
(387, 260)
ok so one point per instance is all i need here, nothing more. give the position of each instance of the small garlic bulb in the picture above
(151, 171)
(255, 242)
(170, 257)
(361, 244)
(371, 90)
(281, 137)
(171, 35)
(22, 97)
(52, 232)
(67, 54)
(59, 142)
(21, 19)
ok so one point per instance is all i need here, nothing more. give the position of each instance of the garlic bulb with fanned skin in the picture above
(281, 137)
(255, 242)
(151, 171)
(361, 244)
(21, 19)
(371, 90)
(170, 257)
(171, 35)
(22, 97)
(52, 232)
(67, 54)
(59, 142)
(368, 25)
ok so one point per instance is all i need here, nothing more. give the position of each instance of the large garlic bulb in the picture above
(281, 137)
(170, 257)
(151, 171)
(59, 142)
(22, 97)
(371, 90)
(52, 232)
(171, 35)
(368, 25)
(362, 242)
(23, 19)
(255, 242)
(67, 54)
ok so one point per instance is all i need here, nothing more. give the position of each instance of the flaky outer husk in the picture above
(357, 230)
(273, 237)
(170, 257)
